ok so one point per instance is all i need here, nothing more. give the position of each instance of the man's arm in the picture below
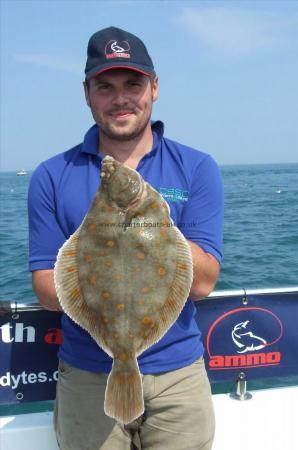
(205, 272)
(44, 288)
(45, 236)
(201, 223)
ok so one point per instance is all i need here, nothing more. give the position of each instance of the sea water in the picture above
(260, 230)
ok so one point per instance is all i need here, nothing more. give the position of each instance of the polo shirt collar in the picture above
(90, 143)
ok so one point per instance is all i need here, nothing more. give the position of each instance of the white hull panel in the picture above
(268, 420)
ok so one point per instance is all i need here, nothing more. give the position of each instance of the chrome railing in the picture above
(7, 305)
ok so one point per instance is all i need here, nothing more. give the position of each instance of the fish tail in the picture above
(124, 393)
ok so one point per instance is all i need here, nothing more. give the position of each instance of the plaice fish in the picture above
(124, 276)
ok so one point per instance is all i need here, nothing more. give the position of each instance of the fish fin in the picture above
(124, 393)
(69, 292)
(178, 294)
(65, 273)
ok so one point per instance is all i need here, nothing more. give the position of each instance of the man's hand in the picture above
(205, 272)
(44, 288)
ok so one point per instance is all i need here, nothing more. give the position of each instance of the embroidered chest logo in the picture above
(174, 194)
(115, 49)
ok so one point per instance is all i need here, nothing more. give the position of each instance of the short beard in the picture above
(126, 136)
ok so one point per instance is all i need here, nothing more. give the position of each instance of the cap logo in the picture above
(115, 49)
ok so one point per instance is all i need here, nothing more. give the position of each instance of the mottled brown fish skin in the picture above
(129, 271)
(120, 257)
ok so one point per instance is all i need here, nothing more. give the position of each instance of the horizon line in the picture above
(219, 164)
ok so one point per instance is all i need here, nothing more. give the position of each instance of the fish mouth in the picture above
(134, 202)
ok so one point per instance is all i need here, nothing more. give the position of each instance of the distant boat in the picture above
(22, 172)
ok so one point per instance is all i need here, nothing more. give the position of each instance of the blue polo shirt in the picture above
(60, 194)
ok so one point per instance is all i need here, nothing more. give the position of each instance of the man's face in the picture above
(121, 102)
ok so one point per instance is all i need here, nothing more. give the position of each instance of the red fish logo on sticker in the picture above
(235, 339)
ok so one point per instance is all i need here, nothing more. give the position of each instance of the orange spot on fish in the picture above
(118, 277)
(154, 205)
(182, 266)
(145, 289)
(110, 243)
(140, 255)
(106, 295)
(124, 357)
(170, 301)
(71, 253)
(120, 306)
(88, 258)
(161, 271)
(92, 279)
(75, 293)
(71, 269)
(146, 320)
(130, 379)
(91, 227)
(102, 253)
(115, 335)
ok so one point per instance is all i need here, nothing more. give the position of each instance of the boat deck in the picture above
(268, 420)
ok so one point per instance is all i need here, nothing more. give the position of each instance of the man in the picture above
(120, 88)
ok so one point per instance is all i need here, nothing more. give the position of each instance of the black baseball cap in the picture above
(113, 48)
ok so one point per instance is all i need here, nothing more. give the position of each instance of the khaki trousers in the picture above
(178, 412)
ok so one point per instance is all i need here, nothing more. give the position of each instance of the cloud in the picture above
(50, 62)
(238, 32)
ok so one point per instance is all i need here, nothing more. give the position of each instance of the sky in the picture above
(227, 70)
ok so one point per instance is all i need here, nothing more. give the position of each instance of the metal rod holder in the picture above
(241, 389)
